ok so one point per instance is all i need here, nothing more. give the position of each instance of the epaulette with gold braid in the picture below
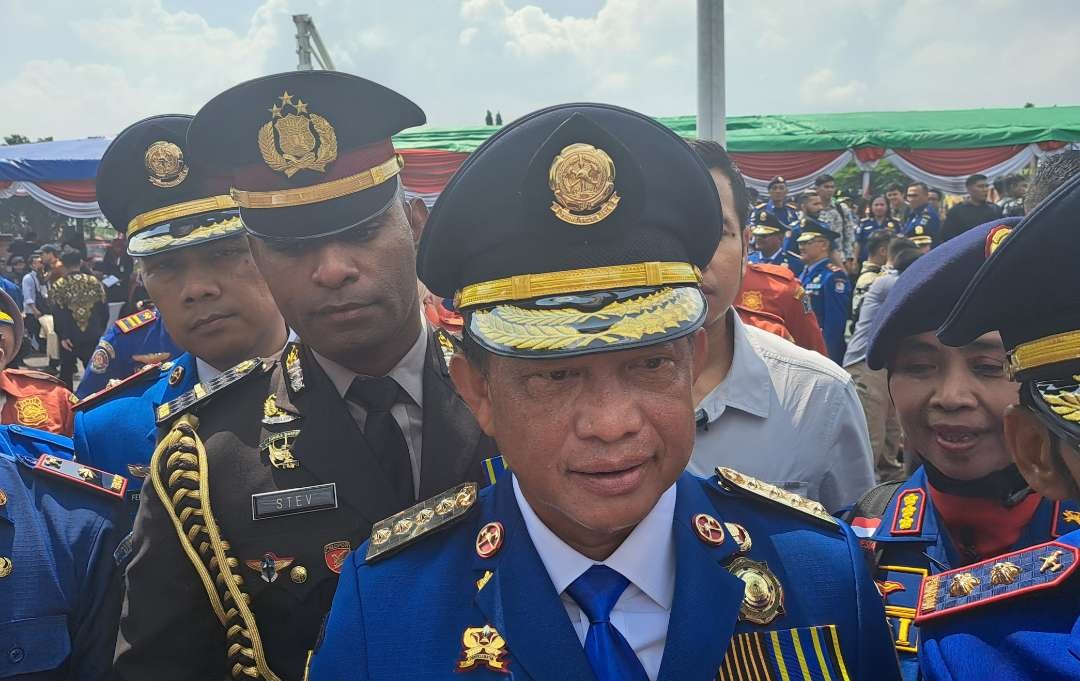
(204, 391)
(1035, 568)
(136, 321)
(734, 481)
(401, 529)
(180, 477)
(148, 371)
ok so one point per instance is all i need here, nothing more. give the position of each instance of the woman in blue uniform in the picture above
(878, 218)
(966, 501)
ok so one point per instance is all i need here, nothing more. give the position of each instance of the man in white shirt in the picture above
(767, 407)
(597, 557)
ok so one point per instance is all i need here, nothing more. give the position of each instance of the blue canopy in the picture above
(52, 161)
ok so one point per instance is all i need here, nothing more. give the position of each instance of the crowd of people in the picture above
(580, 420)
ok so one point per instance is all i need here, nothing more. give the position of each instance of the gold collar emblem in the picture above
(278, 448)
(582, 178)
(483, 647)
(165, 163)
(304, 140)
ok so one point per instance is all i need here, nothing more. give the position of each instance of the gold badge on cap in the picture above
(582, 178)
(763, 597)
(303, 140)
(165, 163)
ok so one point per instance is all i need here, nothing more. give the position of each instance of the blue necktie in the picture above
(609, 655)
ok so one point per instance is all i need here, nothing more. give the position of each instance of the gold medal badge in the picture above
(165, 163)
(582, 178)
(763, 597)
(298, 140)
(483, 647)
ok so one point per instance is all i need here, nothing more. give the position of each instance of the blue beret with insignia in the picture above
(925, 293)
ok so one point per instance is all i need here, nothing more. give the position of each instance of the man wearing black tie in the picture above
(266, 478)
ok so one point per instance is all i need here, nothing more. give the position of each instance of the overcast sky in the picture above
(74, 69)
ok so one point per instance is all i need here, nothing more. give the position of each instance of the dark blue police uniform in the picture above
(127, 346)
(867, 227)
(1017, 616)
(769, 224)
(116, 428)
(831, 626)
(787, 213)
(923, 222)
(829, 290)
(910, 542)
(59, 596)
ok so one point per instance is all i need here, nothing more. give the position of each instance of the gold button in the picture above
(3, 497)
(298, 574)
(5, 567)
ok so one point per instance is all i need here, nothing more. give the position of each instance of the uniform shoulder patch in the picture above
(437, 513)
(136, 321)
(81, 474)
(908, 516)
(1035, 568)
(148, 371)
(202, 393)
(734, 481)
(36, 375)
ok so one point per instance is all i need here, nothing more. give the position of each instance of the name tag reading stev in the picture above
(293, 501)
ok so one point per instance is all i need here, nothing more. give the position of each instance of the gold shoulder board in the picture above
(734, 481)
(401, 529)
(204, 391)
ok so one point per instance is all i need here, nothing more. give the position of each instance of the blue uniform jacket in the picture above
(830, 295)
(787, 213)
(404, 617)
(59, 598)
(1029, 629)
(907, 554)
(117, 431)
(867, 227)
(923, 221)
(121, 353)
(788, 259)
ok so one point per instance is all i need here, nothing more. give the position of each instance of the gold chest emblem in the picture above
(582, 178)
(165, 163)
(296, 140)
(30, 411)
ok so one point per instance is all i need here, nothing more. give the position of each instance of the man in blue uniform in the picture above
(595, 556)
(967, 501)
(923, 222)
(826, 283)
(186, 233)
(778, 205)
(59, 594)
(769, 243)
(128, 345)
(1016, 616)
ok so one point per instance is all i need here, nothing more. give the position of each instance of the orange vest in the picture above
(774, 289)
(37, 400)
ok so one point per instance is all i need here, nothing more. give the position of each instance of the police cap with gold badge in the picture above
(767, 224)
(812, 228)
(1025, 290)
(579, 228)
(307, 153)
(146, 188)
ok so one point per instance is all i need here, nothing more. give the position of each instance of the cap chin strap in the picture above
(1005, 486)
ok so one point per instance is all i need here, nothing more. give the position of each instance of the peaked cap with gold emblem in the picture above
(146, 188)
(307, 153)
(579, 228)
(1026, 291)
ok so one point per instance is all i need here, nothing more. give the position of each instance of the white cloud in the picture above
(821, 91)
(466, 36)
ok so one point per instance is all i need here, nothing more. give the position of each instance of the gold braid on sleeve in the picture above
(180, 458)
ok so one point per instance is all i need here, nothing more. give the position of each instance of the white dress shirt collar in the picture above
(646, 557)
(408, 372)
(748, 385)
